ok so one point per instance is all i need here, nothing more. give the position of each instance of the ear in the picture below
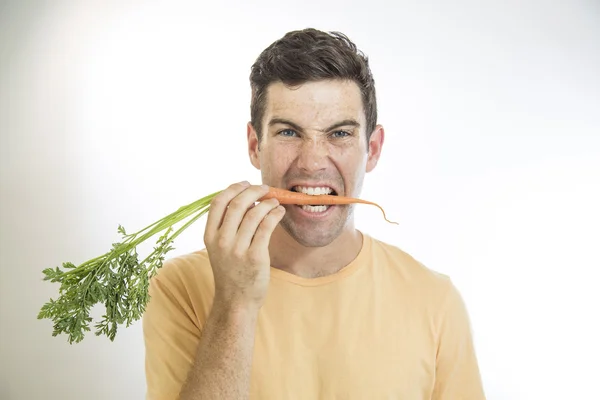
(375, 145)
(253, 146)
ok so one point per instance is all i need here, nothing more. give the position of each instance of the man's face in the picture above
(314, 140)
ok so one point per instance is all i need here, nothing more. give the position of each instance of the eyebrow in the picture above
(346, 122)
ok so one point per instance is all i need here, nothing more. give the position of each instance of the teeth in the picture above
(313, 190)
(315, 209)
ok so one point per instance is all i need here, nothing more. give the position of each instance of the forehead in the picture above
(315, 104)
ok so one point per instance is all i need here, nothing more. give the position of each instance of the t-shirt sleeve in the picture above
(171, 337)
(457, 371)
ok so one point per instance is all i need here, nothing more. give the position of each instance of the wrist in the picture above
(235, 308)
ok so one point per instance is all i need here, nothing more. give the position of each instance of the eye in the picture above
(287, 133)
(340, 134)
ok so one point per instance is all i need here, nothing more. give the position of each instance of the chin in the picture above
(316, 236)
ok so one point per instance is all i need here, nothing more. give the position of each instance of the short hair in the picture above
(310, 55)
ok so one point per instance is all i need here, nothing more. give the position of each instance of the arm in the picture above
(224, 356)
(457, 370)
(191, 358)
(237, 236)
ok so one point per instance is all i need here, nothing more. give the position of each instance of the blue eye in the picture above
(287, 132)
(340, 134)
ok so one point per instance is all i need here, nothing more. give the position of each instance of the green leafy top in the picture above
(116, 279)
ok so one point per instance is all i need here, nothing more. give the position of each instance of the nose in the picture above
(313, 155)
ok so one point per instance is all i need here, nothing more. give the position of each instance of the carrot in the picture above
(288, 197)
(119, 280)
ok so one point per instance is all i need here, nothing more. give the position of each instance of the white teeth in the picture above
(313, 190)
(315, 209)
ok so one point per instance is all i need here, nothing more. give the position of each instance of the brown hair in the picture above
(311, 55)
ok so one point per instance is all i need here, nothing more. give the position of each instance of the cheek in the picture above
(349, 159)
(286, 152)
(277, 159)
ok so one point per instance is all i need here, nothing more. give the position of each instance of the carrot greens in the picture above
(117, 279)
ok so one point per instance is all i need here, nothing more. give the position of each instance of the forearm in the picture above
(224, 357)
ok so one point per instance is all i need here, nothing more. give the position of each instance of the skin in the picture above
(309, 153)
(243, 240)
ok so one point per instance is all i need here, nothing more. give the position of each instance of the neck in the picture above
(312, 262)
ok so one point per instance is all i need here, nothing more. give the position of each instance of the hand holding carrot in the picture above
(237, 239)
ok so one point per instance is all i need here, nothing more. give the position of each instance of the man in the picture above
(290, 302)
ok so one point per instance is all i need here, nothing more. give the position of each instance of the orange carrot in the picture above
(288, 197)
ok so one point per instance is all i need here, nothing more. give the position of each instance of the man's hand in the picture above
(237, 239)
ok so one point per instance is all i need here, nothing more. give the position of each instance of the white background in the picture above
(116, 112)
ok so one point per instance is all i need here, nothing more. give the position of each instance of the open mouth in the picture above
(314, 191)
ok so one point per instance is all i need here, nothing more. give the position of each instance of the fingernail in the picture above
(245, 183)
(265, 187)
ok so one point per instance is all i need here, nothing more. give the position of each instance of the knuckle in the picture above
(238, 253)
(272, 218)
(273, 202)
(268, 217)
(222, 242)
(236, 203)
(276, 212)
(254, 257)
(236, 186)
(255, 213)
(218, 200)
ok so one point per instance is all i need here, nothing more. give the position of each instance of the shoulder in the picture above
(184, 285)
(186, 270)
(410, 272)
(430, 291)
(405, 264)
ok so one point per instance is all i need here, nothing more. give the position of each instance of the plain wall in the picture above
(119, 112)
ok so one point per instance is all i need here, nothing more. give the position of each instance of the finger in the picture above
(219, 204)
(262, 237)
(238, 208)
(251, 221)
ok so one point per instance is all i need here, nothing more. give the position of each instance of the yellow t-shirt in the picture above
(383, 327)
